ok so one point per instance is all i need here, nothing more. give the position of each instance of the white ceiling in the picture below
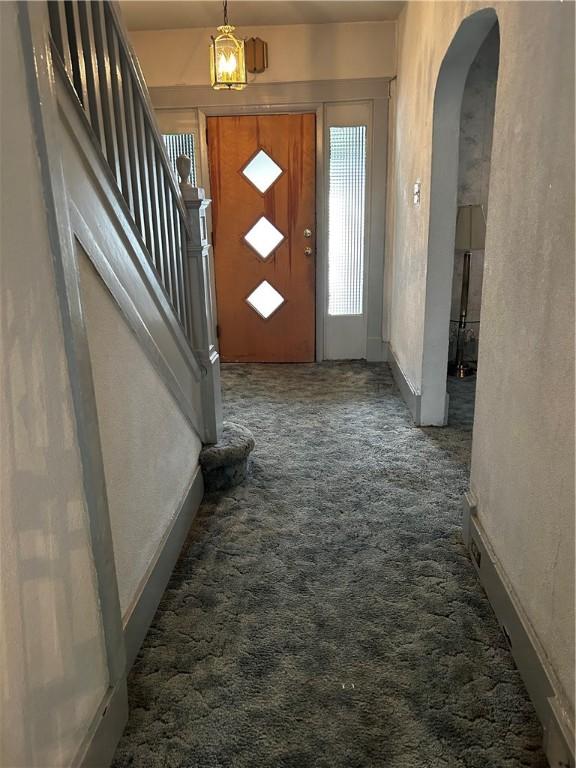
(177, 14)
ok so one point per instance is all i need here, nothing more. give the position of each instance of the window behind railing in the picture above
(181, 144)
(90, 48)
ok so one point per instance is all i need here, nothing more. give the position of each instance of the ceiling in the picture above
(177, 14)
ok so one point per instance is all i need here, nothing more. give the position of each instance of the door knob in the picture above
(308, 251)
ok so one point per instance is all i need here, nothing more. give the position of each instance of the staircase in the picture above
(132, 269)
(98, 78)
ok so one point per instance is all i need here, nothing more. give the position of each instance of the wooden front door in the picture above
(262, 178)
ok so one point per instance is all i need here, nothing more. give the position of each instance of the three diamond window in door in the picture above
(264, 237)
(262, 171)
(265, 299)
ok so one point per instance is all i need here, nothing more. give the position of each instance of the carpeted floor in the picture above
(326, 615)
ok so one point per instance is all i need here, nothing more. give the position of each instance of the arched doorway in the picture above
(443, 207)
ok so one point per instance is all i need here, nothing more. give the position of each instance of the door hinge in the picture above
(217, 331)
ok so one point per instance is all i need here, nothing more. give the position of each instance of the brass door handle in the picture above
(307, 233)
(308, 251)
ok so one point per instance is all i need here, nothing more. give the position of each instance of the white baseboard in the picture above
(539, 678)
(158, 574)
(409, 394)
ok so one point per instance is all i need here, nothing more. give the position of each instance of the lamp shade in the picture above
(227, 61)
(470, 228)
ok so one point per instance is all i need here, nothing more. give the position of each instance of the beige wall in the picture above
(53, 670)
(150, 451)
(523, 453)
(297, 53)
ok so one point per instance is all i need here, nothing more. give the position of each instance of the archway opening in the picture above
(473, 53)
(475, 151)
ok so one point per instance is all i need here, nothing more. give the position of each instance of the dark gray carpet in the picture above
(325, 614)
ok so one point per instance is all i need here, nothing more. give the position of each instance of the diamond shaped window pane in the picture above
(265, 299)
(262, 171)
(264, 237)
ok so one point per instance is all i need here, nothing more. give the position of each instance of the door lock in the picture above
(307, 233)
(308, 251)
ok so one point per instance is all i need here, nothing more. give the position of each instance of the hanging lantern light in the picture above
(227, 61)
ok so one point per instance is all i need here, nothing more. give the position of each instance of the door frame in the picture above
(186, 108)
(348, 332)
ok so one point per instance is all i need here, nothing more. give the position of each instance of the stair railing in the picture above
(91, 50)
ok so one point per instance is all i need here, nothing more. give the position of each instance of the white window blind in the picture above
(346, 206)
(180, 144)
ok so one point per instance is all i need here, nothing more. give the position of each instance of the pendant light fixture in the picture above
(227, 60)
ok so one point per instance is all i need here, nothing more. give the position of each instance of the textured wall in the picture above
(51, 648)
(297, 53)
(476, 124)
(150, 451)
(523, 451)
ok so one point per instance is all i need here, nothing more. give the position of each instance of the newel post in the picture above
(202, 307)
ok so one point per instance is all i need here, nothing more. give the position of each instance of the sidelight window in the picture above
(346, 219)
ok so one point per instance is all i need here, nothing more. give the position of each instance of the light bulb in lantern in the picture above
(227, 64)
(227, 61)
